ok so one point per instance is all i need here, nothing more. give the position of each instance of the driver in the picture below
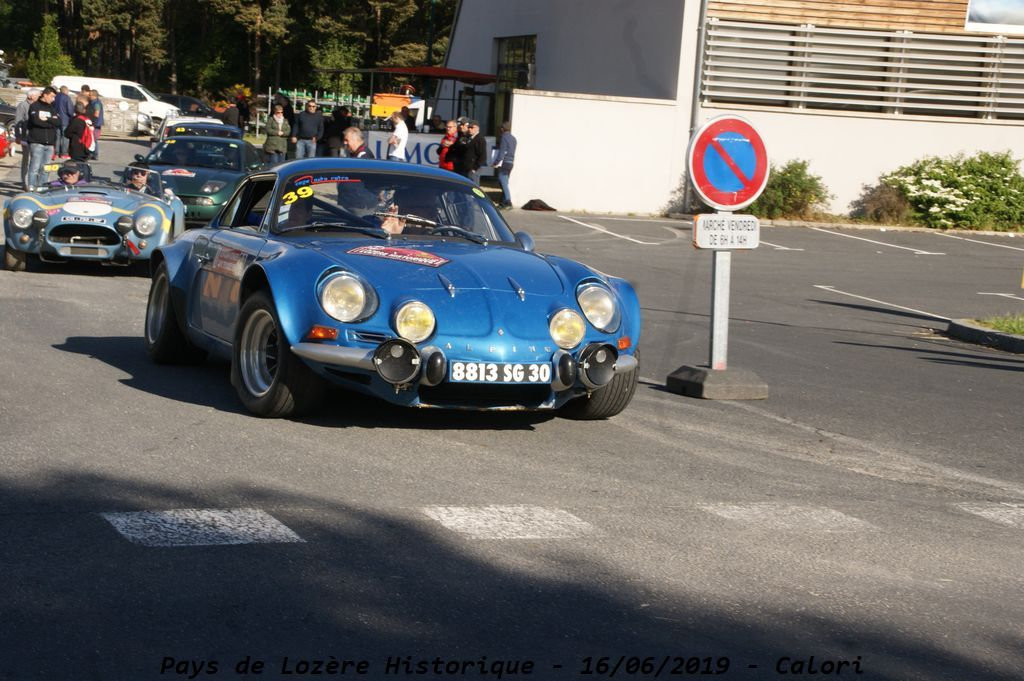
(68, 176)
(138, 179)
(180, 155)
(418, 201)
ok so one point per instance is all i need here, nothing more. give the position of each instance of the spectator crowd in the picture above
(49, 125)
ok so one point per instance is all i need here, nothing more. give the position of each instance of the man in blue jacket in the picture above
(504, 161)
(65, 112)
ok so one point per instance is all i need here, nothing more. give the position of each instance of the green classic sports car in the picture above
(203, 171)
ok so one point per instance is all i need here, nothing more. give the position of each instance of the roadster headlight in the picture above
(212, 187)
(22, 218)
(567, 329)
(346, 298)
(145, 225)
(598, 307)
(414, 321)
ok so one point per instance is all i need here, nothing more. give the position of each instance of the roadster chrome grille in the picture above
(85, 235)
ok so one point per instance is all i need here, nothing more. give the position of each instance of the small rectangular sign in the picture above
(725, 231)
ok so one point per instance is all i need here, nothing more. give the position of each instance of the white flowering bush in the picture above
(984, 191)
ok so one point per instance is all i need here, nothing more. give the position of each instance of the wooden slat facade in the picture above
(920, 16)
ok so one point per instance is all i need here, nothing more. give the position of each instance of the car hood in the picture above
(190, 181)
(431, 264)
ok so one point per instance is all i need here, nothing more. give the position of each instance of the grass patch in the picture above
(1011, 323)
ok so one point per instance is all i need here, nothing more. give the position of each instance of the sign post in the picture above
(728, 166)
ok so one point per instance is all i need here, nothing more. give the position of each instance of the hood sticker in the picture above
(179, 172)
(409, 255)
(87, 208)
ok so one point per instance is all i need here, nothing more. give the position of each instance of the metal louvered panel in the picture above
(887, 72)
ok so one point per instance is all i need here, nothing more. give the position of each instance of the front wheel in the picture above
(15, 261)
(607, 401)
(269, 379)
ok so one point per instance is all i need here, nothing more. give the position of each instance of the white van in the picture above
(121, 89)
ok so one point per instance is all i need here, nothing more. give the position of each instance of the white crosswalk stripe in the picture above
(201, 527)
(509, 522)
(785, 517)
(1002, 513)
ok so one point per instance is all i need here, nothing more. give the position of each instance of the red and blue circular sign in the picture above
(727, 163)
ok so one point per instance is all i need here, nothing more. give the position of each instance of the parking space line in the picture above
(201, 527)
(983, 243)
(881, 302)
(509, 522)
(779, 248)
(1001, 295)
(916, 251)
(664, 222)
(606, 231)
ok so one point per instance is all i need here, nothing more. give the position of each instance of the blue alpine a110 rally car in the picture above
(395, 280)
(112, 223)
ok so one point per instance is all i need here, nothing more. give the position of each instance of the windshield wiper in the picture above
(435, 227)
(369, 231)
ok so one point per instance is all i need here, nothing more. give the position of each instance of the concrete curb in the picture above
(967, 330)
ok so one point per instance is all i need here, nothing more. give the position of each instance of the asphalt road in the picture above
(870, 511)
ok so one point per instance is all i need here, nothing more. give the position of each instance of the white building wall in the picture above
(626, 48)
(583, 152)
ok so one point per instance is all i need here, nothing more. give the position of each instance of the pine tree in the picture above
(48, 59)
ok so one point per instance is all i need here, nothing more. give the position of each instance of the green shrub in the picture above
(791, 192)
(884, 204)
(984, 191)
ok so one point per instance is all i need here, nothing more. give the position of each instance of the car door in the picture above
(226, 255)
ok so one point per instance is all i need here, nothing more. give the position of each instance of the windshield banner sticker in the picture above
(409, 255)
(322, 179)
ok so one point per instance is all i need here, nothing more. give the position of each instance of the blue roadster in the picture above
(394, 280)
(112, 223)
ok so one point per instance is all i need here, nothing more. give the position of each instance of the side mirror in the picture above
(525, 240)
(140, 157)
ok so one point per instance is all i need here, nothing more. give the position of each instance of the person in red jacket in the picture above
(451, 133)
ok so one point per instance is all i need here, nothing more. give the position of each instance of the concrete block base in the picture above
(729, 384)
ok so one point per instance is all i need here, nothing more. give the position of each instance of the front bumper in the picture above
(72, 241)
(429, 385)
(196, 214)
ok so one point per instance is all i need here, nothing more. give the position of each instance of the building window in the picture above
(517, 64)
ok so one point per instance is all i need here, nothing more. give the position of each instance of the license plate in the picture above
(498, 372)
(82, 250)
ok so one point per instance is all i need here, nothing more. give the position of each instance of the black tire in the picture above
(269, 379)
(607, 401)
(15, 261)
(165, 341)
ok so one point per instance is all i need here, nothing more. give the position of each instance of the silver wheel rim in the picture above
(156, 313)
(258, 353)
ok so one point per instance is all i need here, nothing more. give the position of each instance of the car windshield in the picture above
(192, 130)
(197, 153)
(404, 205)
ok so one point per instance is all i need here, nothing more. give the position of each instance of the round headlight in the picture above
(414, 322)
(567, 329)
(22, 218)
(599, 307)
(212, 187)
(145, 225)
(343, 297)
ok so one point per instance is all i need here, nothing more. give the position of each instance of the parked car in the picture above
(7, 112)
(203, 171)
(122, 89)
(96, 220)
(192, 126)
(398, 281)
(190, 106)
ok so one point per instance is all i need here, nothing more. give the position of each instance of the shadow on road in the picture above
(209, 385)
(83, 603)
(992, 361)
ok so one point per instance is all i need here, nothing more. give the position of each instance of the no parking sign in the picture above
(727, 163)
